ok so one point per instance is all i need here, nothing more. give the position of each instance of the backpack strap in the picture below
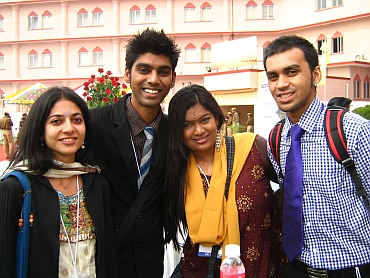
(337, 143)
(274, 142)
(23, 240)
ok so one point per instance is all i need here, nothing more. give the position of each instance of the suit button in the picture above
(140, 215)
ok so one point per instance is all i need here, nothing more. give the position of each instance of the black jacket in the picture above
(44, 237)
(141, 252)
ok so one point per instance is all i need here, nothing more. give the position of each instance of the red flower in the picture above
(115, 83)
(89, 98)
(107, 91)
(124, 86)
(86, 84)
(93, 76)
(105, 99)
(100, 70)
(101, 80)
(115, 99)
(84, 94)
(109, 72)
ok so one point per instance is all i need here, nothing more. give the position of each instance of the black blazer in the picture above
(141, 252)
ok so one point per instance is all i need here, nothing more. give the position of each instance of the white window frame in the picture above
(206, 14)
(150, 16)
(267, 11)
(47, 21)
(2, 62)
(206, 54)
(2, 24)
(47, 60)
(98, 58)
(336, 3)
(33, 22)
(321, 5)
(356, 89)
(337, 45)
(97, 19)
(189, 14)
(251, 12)
(190, 55)
(135, 16)
(82, 19)
(320, 43)
(366, 90)
(33, 61)
(83, 58)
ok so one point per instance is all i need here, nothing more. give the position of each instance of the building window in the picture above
(33, 21)
(82, 18)
(267, 9)
(47, 58)
(33, 59)
(366, 87)
(264, 47)
(83, 57)
(2, 61)
(134, 15)
(251, 10)
(190, 53)
(1, 23)
(356, 86)
(336, 3)
(206, 14)
(189, 10)
(320, 44)
(320, 5)
(97, 56)
(97, 17)
(150, 14)
(337, 43)
(47, 20)
(206, 52)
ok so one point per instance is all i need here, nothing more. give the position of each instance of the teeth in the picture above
(286, 95)
(151, 91)
(68, 139)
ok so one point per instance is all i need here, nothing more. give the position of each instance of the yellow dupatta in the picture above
(213, 220)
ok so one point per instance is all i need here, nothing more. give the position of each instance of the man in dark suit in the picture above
(151, 59)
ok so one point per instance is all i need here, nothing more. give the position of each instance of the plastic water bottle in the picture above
(232, 266)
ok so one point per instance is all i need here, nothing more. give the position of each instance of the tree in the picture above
(363, 111)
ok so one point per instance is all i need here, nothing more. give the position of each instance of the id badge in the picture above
(206, 252)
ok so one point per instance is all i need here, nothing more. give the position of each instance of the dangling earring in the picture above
(42, 145)
(83, 146)
(218, 141)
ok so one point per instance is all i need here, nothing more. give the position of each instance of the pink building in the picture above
(64, 42)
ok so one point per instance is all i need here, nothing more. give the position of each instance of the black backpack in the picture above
(336, 140)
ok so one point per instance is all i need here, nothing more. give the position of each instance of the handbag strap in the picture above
(23, 240)
(230, 150)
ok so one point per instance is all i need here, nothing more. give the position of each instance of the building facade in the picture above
(65, 42)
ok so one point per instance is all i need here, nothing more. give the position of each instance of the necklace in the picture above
(205, 176)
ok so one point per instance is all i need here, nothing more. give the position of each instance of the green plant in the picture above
(363, 111)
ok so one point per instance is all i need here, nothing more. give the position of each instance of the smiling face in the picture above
(291, 82)
(200, 129)
(151, 78)
(64, 130)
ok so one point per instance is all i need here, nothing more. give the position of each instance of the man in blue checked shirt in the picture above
(335, 221)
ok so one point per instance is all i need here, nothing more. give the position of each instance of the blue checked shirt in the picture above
(336, 223)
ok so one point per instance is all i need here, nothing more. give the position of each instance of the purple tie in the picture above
(292, 211)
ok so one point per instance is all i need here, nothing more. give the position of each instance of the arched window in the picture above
(356, 86)
(134, 15)
(366, 87)
(251, 10)
(47, 22)
(189, 10)
(2, 61)
(337, 43)
(206, 12)
(97, 16)
(47, 58)
(82, 18)
(267, 9)
(97, 56)
(33, 21)
(1, 23)
(190, 53)
(206, 52)
(150, 14)
(83, 57)
(320, 44)
(33, 59)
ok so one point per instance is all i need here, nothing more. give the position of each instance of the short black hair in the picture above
(29, 137)
(285, 43)
(152, 41)
(339, 101)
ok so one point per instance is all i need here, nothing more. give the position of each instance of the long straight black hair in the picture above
(177, 153)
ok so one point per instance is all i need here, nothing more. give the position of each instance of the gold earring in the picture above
(218, 141)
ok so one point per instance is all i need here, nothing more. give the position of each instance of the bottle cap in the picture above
(232, 250)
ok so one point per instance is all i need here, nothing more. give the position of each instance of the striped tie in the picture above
(147, 155)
